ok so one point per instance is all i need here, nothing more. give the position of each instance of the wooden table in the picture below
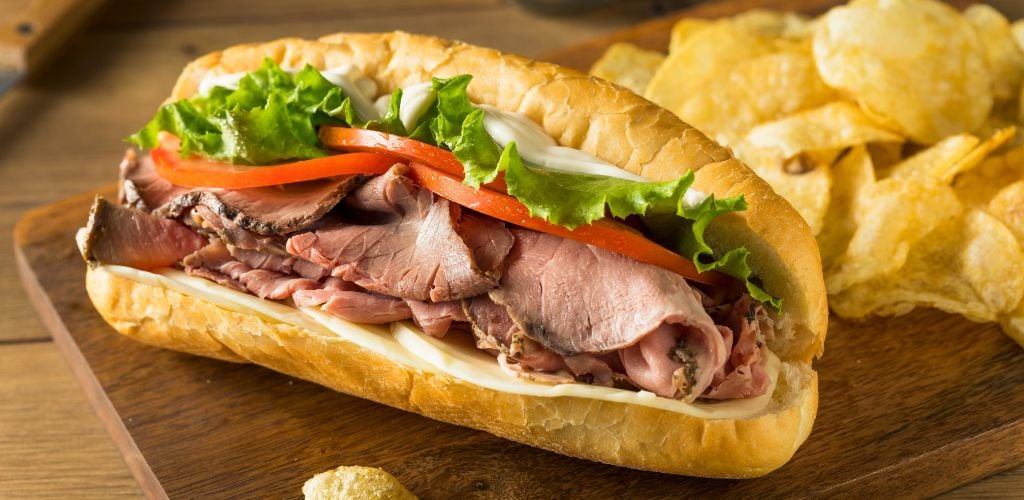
(61, 135)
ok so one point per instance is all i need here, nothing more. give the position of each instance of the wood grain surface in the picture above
(60, 135)
(907, 407)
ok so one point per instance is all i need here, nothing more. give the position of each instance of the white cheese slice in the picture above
(406, 344)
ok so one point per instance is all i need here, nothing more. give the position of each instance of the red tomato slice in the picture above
(199, 172)
(603, 233)
(357, 139)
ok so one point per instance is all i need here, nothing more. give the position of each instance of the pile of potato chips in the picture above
(891, 126)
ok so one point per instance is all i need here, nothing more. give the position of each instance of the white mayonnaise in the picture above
(416, 100)
(405, 344)
(357, 87)
(540, 149)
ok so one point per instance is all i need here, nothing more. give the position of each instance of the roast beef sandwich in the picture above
(473, 236)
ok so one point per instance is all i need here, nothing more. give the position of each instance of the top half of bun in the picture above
(598, 117)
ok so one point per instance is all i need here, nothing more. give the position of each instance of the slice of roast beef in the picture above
(404, 242)
(131, 237)
(206, 221)
(266, 210)
(215, 262)
(743, 376)
(495, 330)
(436, 318)
(575, 298)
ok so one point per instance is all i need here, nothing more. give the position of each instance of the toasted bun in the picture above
(615, 433)
(581, 112)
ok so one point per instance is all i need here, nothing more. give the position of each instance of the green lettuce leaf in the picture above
(271, 117)
(571, 200)
(459, 126)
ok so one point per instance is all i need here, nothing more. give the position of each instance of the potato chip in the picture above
(753, 92)
(982, 274)
(834, 126)
(981, 151)
(1008, 206)
(700, 57)
(808, 192)
(1017, 30)
(952, 156)
(897, 214)
(775, 24)
(628, 65)
(981, 185)
(853, 179)
(1005, 58)
(937, 161)
(684, 29)
(917, 62)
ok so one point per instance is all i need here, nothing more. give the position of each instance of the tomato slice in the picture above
(199, 172)
(603, 233)
(357, 139)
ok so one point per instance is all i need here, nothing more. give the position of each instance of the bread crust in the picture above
(581, 112)
(593, 115)
(615, 433)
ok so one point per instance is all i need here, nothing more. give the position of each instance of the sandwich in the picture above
(470, 235)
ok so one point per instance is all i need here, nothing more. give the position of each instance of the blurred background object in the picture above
(573, 7)
(30, 31)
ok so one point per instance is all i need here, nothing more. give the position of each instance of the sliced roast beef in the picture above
(217, 226)
(495, 330)
(743, 375)
(266, 210)
(362, 307)
(278, 263)
(215, 262)
(436, 318)
(576, 298)
(131, 237)
(407, 244)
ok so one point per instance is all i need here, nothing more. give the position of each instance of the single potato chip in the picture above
(684, 29)
(1005, 58)
(628, 65)
(981, 277)
(937, 161)
(775, 24)
(1017, 29)
(753, 92)
(978, 186)
(369, 483)
(1008, 207)
(807, 191)
(897, 214)
(834, 126)
(853, 179)
(918, 63)
(980, 152)
(694, 62)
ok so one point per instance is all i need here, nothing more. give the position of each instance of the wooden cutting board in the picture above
(912, 406)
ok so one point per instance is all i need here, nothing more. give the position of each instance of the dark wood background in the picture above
(60, 135)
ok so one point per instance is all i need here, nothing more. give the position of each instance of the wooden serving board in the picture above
(912, 406)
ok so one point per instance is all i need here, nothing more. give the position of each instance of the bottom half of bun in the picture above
(616, 433)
